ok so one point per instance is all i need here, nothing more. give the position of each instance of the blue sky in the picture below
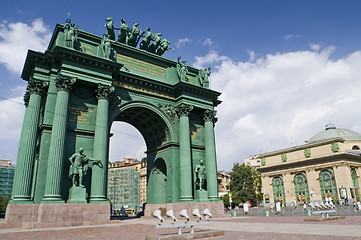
(285, 68)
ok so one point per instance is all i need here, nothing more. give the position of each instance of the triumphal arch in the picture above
(83, 83)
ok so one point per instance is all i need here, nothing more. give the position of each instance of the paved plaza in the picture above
(276, 227)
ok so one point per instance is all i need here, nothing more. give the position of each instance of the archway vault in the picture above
(149, 120)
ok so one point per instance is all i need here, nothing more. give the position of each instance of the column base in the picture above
(21, 201)
(52, 199)
(186, 198)
(213, 198)
(98, 200)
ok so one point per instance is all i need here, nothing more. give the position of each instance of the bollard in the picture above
(267, 213)
(309, 212)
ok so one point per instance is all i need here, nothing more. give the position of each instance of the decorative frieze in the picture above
(263, 161)
(307, 152)
(334, 147)
(284, 157)
(169, 110)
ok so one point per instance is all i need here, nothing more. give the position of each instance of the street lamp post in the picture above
(114, 179)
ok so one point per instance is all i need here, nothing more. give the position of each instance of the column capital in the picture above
(104, 91)
(210, 116)
(34, 87)
(64, 83)
(183, 109)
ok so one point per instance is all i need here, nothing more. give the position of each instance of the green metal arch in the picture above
(149, 106)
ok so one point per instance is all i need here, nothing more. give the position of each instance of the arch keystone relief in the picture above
(83, 84)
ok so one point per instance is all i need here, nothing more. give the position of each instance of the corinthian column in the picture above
(25, 161)
(57, 141)
(99, 171)
(185, 163)
(210, 155)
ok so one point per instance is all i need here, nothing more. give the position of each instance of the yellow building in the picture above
(223, 182)
(143, 181)
(328, 165)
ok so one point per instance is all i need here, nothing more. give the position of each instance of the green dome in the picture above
(333, 132)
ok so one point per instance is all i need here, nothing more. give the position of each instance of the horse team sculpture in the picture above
(132, 37)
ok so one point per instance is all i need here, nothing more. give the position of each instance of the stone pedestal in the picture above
(77, 195)
(47, 215)
(215, 207)
(201, 195)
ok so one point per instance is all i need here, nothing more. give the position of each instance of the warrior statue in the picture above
(110, 28)
(79, 167)
(70, 33)
(133, 35)
(182, 70)
(201, 175)
(123, 33)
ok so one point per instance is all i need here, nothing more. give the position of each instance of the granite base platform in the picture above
(47, 215)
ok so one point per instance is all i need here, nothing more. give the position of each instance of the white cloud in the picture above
(17, 38)
(181, 42)
(125, 133)
(252, 55)
(11, 119)
(207, 42)
(282, 98)
(315, 47)
(291, 36)
(211, 58)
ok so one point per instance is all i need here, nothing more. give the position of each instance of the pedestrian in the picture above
(304, 208)
(122, 211)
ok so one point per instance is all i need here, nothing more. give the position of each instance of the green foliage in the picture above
(246, 184)
(235, 200)
(3, 204)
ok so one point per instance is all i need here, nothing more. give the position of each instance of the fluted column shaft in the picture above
(21, 192)
(185, 162)
(99, 171)
(210, 155)
(57, 141)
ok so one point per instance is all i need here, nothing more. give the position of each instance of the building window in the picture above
(301, 188)
(327, 184)
(355, 148)
(278, 191)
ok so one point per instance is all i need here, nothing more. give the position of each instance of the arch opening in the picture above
(328, 187)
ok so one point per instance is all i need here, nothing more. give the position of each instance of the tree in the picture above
(235, 200)
(246, 182)
(3, 204)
